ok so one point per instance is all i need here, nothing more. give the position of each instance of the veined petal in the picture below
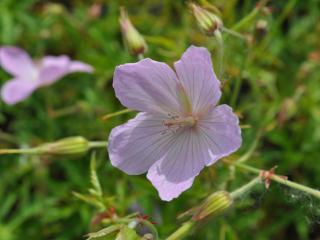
(136, 145)
(17, 62)
(17, 90)
(221, 133)
(186, 156)
(195, 71)
(167, 190)
(147, 86)
(53, 68)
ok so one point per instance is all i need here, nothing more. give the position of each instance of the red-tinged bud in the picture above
(208, 22)
(133, 40)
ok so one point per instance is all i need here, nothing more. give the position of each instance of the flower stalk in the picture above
(115, 114)
(245, 188)
(182, 232)
(277, 178)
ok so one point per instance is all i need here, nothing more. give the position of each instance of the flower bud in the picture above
(207, 20)
(213, 205)
(66, 146)
(133, 40)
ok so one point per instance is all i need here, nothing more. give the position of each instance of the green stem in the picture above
(251, 16)
(245, 188)
(234, 33)
(182, 232)
(121, 112)
(249, 153)
(19, 151)
(98, 144)
(218, 36)
(279, 179)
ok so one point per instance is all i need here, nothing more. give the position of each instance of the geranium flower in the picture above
(29, 75)
(180, 129)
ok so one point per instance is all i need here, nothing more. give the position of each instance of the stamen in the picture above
(189, 121)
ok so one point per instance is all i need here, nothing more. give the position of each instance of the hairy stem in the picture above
(245, 188)
(277, 178)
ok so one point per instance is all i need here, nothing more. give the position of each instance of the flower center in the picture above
(189, 121)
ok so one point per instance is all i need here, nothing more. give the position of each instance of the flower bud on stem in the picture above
(64, 147)
(213, 206)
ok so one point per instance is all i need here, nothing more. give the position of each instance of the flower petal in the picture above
(147, 86)
(138, 144)
(195, 71)
(17, 90)
(186, 156)
(53, 68)
(77, 66)
(167, 190)
(217, 135)
(17, 62)
(221, 133)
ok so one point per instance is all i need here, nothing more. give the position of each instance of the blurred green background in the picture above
(271, 79)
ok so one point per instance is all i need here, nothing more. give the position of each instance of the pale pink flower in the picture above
(28, 75)
(180, 129)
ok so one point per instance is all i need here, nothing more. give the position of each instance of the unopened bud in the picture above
(213, 205)
(207, 20)
(66, 146)
(132, 38)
